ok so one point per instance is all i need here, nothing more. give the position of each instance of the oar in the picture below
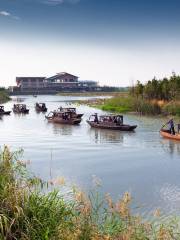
(164, 125)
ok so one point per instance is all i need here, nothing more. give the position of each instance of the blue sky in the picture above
(114, 42)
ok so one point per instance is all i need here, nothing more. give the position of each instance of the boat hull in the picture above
(5, 113)
(166, 134)
(24, 111)
(122, 127)
(63, 121)
(38, 109)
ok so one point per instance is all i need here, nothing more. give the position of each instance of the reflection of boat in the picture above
(2, 112)
(41, 107)
(113, 122)
(20, 108)
(70, 110)
(63, 118)
(106, 135)
(166, 134)
(62, 129)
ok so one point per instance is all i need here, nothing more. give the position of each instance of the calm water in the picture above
(140, 162)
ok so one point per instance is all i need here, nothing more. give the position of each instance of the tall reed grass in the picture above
(123, 104)
(4, 97)
(28, 212)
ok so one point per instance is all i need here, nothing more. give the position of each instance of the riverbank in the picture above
(4, 96)
(92, 94)
(124, 103)
(29, 212)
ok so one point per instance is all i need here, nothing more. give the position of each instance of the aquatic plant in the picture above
(29, 211)
(4, 97)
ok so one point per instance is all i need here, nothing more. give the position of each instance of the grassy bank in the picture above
(124, 103)
(29, 211)
(4, 97)
(141, 106)
(91, 94)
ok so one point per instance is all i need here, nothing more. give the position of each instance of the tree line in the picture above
(161, 89)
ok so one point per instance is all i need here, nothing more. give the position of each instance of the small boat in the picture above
(113, 122)
(2, 112)
(34, 95)
(20, 108)
(166, 134)
(41, 107)
(72, 111)
(62, 118)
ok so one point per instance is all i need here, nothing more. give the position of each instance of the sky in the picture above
(114, 42)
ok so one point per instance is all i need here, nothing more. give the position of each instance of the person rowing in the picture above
(171, 127)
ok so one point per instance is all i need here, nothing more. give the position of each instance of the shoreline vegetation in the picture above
(29, 210)
(92, 94)
(4, 96)
(156, 97)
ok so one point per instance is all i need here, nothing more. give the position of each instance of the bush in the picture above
(172, 108)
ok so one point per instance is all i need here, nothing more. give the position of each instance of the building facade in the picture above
(62, 81)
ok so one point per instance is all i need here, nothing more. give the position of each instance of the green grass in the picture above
(30, 211)
(4, 97)
(172, 108)
(91, 94)
(125, 103)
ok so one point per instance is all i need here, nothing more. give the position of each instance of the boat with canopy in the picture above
(113, 122)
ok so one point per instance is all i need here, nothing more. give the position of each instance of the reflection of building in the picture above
(60, 82)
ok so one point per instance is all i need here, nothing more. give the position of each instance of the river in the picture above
(141, 162)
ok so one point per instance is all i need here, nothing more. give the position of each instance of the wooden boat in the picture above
(2, 112)
(70, 110)
(62, 118)
(166, 134)
(113, 122)
(41, 107)
(20, 108)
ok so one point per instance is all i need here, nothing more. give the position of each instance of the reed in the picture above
(4, 97)
(28, 211)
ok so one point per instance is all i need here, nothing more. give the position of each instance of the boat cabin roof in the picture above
(40, 103)
(111, 115)
(20, 105)
(67, 109)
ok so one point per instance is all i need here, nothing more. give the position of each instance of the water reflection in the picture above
(62, 129)
(170, 146)
(19, 99)
(132, 162)
(103, 135)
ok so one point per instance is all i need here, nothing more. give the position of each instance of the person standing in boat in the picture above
(171, 126)
(178, 127)
(96, 118)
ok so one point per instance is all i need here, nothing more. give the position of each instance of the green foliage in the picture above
(29, 212)
(118, 104)
(4, 97)
(131, 104)
(162, 89)
(172, 108)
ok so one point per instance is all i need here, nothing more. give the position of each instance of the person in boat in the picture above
(1, 109)
(96, 118)
(110, 119)
(43, 106)
(178, 128)
(171, 127)
(115, 120)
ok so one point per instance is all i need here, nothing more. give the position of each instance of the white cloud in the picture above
(8, 14)
(57, 2)
(4, 13)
